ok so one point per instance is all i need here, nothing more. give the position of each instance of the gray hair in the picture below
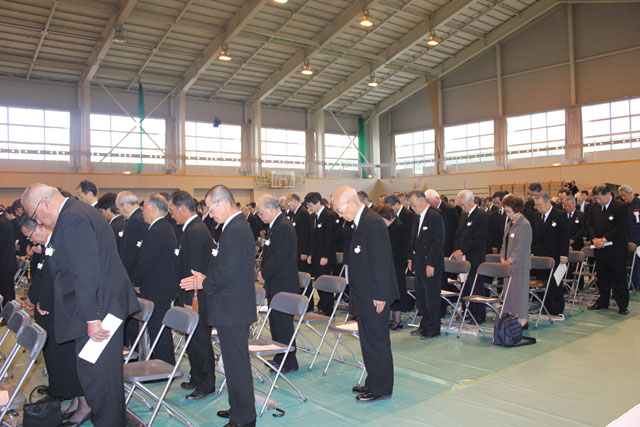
(419, 195)
(158, 201)
(465, 196)
(220, 192)
(569, 198)
(270, 202)
(431, 195)
(545, 197)
(126, 197)
(624, 188)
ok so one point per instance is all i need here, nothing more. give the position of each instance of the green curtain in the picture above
(362, 145)
(141, 117)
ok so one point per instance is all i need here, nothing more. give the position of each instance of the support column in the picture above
(373, 132)
(500, 124)
(251, 140)
(81, 139)
(319, 143)
(309, 146)
(573, 152)
(175, 162)
(572, 57)
(435, 101)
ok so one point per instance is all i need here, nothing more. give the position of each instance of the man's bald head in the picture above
(42, 202)
(346, 202)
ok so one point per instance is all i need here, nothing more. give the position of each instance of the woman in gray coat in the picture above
(516, 250)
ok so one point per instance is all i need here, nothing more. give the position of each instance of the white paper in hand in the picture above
(559, 274)
(638, 251)
(93, 349)
(605, 245)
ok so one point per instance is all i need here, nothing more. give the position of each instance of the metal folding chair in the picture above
(572, 285)
(142, 316)
(495, 271)
(340, 329)
(589, 276)
(495, 286)
(262, 347)
(31, 339)
(537, 286)
(136, 373)
(411, 291)
(459, 268)
(632, 250)
(304, 279)
(23, 267)
(333, 285)
(340, 260)
(9, 309)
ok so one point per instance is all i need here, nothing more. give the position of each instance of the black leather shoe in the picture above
(429, 335)
(395, 326)
(67, 415)
(225, 413)
(598, 307)
(370, 397)
(416, 332)
(188, 385)
(196, 395)
(623, 311)
(79, 423)
(360, 389)
(251, 424)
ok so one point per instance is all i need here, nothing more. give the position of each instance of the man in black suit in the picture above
(405, 216)
(89, 283)
(372, 280)
(530, 212)
(364, 199)
(471, 236)
(278, 271)
(550, 239)
(497, 222)
(194, 252)
(230, 291)
(607, 225)
(582, 204)
(449, 216)
(577, 224)
(323, 253)
(107, 207)
(8, 263)
(155, 273)
(88, 192)
(427, 259)
(257, 226)
(301, 221)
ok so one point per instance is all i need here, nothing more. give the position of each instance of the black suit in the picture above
(117, 225)
(231, 302)
(577, 229)
(322, 240)
(428, 238)
(471, 237)
(280, 274)
(611, 260)
(194, 254)
(90, 282)
(256, 225)
(134, 231)
(8, 263)
(551, 239)
(156, 275)
(498, 221)
(301, 221)
(372, 277)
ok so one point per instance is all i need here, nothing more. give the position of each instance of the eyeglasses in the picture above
(33, 216)
(31, 234)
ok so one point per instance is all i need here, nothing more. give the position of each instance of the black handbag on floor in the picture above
(46, 413)
(507, 332)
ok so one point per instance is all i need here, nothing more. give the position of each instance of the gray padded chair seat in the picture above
(311, 317)
(149, 370)
(264, 346)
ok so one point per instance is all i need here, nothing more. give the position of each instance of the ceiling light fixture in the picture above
(280, 1)
(306, 70)
(119, 35)
(366, 21)
(373, 82)
(433, 42)
(224, 55)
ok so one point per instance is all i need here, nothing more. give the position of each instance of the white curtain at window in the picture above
(500, 141)
(573, 142)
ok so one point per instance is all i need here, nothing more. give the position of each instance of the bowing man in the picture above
(194, 253)
(155, 274)
(89, 282)
(373, 287)
(107, 207)
(278, 271)
(301, 221)
(229, 286)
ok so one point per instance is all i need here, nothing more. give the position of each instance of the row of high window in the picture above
(43, 134)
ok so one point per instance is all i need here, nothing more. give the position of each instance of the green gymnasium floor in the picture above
(581, 372)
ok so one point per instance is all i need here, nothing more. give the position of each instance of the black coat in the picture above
(88, 277)
(472, 234)
(134, 231)
(398, 236)
(256, 225)
(8, 263)
(155, 272)
(371, 272)
(117, 225)
(498, 221)
(279, 265)
(577, 229)
(194, 253)
(230, 282)
(428, 245)
(301, 221)
(551, 238)
(451, 219)
(612, 225)
(322, 240)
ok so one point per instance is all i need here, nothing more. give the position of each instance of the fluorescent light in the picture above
(366, 21)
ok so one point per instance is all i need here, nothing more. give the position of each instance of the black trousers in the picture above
(373, 329)
(200, 352)
(554, 303)
(7, 288)
(431, 313)
(237, 367)
(479, 311)
(164, 347)
(281, 326)
(612, 279)
(102, 382)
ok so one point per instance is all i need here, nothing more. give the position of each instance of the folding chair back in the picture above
(493, 258)
(181, 319)
(18, 321)
(146, 310)
(339, 257)
(331, 284)
(261, 294)
(575, 257)
(588, 252)
(494, 269)
(456, 267)
(289, 303)
(142, 316)
(304, 279)
(546, 264)
(9, 309)
(32, 339)
(542, 263)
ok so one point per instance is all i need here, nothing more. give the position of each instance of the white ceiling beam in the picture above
(100, 51)
(472, 51)
(235, 25)
(323, 39)
(420, 31)
(42, 37)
